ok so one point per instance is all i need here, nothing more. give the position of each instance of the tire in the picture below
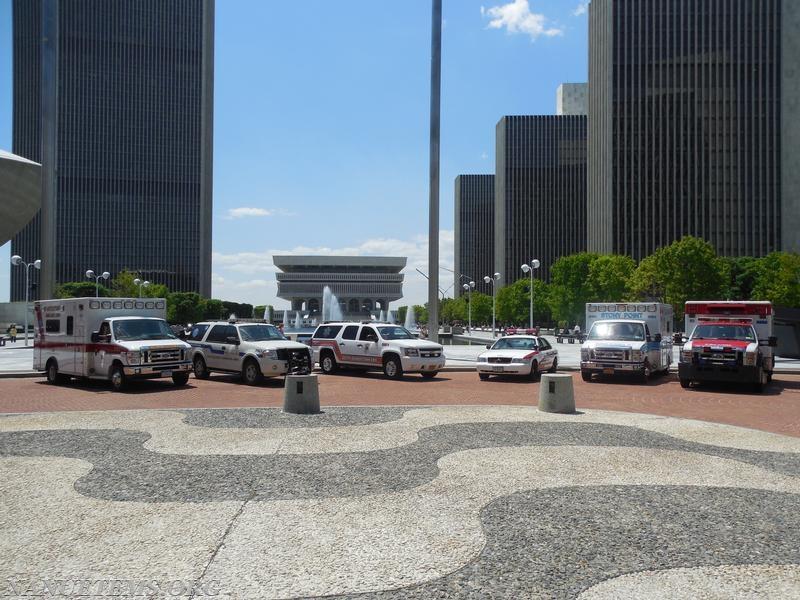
(586, 375)
(534, 374)
(251, 372)
(645, 375)
(429, 374)
(200, 369)
(393, 368)
(483, 376)
(328, 363)
(686, 383)
(53, 376)
(180, 379)
(554, 368)
(117, 378)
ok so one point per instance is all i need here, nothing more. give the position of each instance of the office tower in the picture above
(694, 125)
(572, 99)
(474, 232)
(540, 192)
(115, 99)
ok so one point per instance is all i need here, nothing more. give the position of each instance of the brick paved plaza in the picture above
(450, 488)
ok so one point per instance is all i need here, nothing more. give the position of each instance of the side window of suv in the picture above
(350, 332)
(198, 331)
(327, 332)
(368, 334)
(218, 334)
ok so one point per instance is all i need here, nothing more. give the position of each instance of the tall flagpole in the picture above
(433, 209)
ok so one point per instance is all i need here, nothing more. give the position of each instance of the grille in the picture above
(499, 359)
(162, 356)
(430, 353)
(610, 354)
(286, 354)
(724, 355)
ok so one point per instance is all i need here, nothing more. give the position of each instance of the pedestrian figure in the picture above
(12, 332)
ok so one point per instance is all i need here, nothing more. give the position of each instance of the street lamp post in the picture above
(530, 268)
(493, 280)
(37, 264)
(91, 275)
(141, 284)
(468, 287)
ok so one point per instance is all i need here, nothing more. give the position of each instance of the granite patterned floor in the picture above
(394, 502)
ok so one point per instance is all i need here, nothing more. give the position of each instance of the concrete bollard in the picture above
(556, 394)
(301, 394)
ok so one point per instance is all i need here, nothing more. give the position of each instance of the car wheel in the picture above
(534, 374)
(393, 368)
(181, 378)
(200, 368)
(430, 374)
(53, 376)
(586, 375)
(251, 372)
(554, 368)
(686, 383)
(644, 376)
(328, 363)
(117, 378)
(483, 376)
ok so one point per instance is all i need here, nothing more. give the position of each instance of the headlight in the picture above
(412, 352)
(750, 359)
(637, 355)
(686, 356)
(271, 354)
(483, 358)
(519, 361)
(132, 358)
(584, 354)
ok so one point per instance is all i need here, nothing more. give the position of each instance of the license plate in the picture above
(497, 369)
(166, 373)
(608, 371)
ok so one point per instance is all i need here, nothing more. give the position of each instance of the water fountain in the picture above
(410, 320)
(331, 310)
(298, 321)
(267, 314)
(382, 316)
(286, 319)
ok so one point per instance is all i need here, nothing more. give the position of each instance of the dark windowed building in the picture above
(114, 99)
(474, 231)
(540, 192)
(694, 125)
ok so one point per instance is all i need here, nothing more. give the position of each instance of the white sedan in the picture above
(526, 355)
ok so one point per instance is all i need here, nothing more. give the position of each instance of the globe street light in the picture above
(530, 268)
(468, 287)
(16, 260)
(493, 280)
(90, 275)
(141, 284)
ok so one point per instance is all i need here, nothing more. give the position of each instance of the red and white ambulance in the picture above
(114, 339)
(728, 341)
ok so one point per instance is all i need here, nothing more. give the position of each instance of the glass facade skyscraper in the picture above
(474, 231)
(694, 125)
(115, 99)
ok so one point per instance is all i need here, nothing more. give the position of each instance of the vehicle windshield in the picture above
(624, 332)
(395, 333)
(724, 332)
(515, 344)
(142, 329)
(260, 333)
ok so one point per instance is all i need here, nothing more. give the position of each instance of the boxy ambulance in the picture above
(627, 338)
(114, 339)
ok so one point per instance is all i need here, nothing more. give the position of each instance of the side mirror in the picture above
(657, 338)
(488, 346)
(232, 340)
(95, 337)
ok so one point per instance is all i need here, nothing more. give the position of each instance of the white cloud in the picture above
(516, 17)
(240, 276)
(484, 155)
(249, 211)
(581, 9)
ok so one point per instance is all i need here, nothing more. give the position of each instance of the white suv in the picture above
(375, 346)
(256, 350)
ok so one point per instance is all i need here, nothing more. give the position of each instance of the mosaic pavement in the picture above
(443, 502)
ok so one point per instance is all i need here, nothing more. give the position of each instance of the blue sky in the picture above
(321, 122)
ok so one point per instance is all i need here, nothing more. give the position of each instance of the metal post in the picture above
(494, 303)
(469, 311)
(531, 299)
(27, 298)
(433, 208)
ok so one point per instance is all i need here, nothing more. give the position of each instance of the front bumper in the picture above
(156, 370)
(413, 364)
(609, 368)
(271, 367)
(710, 372)
(488, 368)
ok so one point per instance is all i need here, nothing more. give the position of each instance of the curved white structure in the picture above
(21, 191)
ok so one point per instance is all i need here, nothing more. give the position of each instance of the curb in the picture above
(20, 374)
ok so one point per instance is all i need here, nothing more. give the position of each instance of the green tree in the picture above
(401, 314)
(778, 279)
(421, 314)
(513, 302)
(240, 309)
(258, 311)
(481, 308)
(608, 277)
(214, 309)
(123, 286)
(570, 287)
(688, 269)
(185, 307)
(744, 271)
(453, 309)
(80, 289)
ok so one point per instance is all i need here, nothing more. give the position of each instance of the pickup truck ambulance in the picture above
(627, 338)
(114, 339)
(728, 341)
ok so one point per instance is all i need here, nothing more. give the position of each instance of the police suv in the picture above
(256, 350)
(375, 346)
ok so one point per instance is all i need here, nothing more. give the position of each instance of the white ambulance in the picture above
(115, 339)
(627, 338)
